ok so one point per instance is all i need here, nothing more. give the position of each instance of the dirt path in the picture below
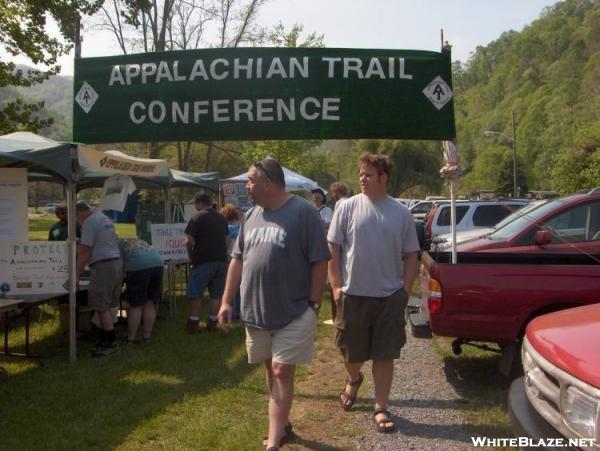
(425, 406)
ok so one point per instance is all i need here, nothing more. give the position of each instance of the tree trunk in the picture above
(209, 149)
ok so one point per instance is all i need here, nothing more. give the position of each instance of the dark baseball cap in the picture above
(202, 198)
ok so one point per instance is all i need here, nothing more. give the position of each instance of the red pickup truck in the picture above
(546, 260)
(559, 395)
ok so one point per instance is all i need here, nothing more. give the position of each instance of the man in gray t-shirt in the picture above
(98, 248)
(373, 265)
(279, 262)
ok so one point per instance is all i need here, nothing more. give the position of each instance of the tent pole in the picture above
(71, 228)
(71, 245)
(170, 265)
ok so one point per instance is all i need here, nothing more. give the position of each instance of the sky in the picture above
(386, 24)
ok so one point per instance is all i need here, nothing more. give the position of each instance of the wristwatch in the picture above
(316, 306)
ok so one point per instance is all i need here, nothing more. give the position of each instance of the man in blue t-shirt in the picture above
(279, 262)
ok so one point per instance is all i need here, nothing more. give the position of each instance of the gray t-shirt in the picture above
(374, 237)
(277, 248)
(98, 232)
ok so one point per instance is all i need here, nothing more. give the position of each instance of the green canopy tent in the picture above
(37, 154)
(52, 161)
(56, 160)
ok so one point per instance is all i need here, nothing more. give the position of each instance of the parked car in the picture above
(469, 215)
(559, 393)
(420, 209)
(408, 203)
(547, 260)
(443, 242)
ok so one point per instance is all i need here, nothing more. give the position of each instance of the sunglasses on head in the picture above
(259, 165)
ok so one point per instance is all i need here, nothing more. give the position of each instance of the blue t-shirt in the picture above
(234, 231)
(138, 255)
(278, 248)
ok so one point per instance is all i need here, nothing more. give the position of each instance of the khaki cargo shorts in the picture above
(106, 278)
(292, 345)
(371, 328)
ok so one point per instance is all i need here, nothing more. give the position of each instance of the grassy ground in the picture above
(484, 391)
(175, 392)
(194, 392)
(39, 227)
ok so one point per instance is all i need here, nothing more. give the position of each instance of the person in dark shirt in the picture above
(59, 231)
(207, 249)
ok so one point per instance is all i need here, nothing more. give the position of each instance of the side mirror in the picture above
(542, 237)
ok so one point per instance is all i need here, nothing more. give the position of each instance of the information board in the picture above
(14, 219)
(169, 240)
(33, 267)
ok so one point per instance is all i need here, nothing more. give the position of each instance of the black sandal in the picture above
(288, 433)
(347, 395)
(380, 424)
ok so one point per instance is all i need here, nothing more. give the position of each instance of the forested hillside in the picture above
(549, 76)
(57, 94)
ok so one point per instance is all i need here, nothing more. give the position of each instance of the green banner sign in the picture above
(264, 93)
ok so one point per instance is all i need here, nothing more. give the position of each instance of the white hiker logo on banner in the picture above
(86, 97)
(438, 92)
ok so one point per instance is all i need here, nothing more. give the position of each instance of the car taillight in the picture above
(434, 300)
(429, 222)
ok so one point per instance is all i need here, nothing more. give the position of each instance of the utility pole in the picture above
(514, 155)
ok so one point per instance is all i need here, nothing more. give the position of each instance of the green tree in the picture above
(549, 75)
(23, 32)
(279, 37)
(297, 155)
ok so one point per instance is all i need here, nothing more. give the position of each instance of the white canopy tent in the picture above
(293, 181)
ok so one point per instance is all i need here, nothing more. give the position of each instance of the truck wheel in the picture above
(456, 347)
(510, 362)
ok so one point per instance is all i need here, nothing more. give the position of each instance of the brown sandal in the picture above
(349, 396)
(380, 424)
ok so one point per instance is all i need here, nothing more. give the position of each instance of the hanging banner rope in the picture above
(264, 93)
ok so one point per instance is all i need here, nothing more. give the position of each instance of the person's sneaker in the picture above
(193, 326)
(104, 349)
(211, 324)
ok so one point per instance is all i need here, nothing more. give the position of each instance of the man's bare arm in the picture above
(189, 244)
(232, 285)
(317, 281)
(335, 271)
(410, 271)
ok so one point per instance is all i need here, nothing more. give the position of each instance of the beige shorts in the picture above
(104, 291)
(292, 345)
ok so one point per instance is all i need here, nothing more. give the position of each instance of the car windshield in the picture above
(518, 213)
(525, 218)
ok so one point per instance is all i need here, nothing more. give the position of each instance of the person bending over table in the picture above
(99, 249)
(143, 278)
